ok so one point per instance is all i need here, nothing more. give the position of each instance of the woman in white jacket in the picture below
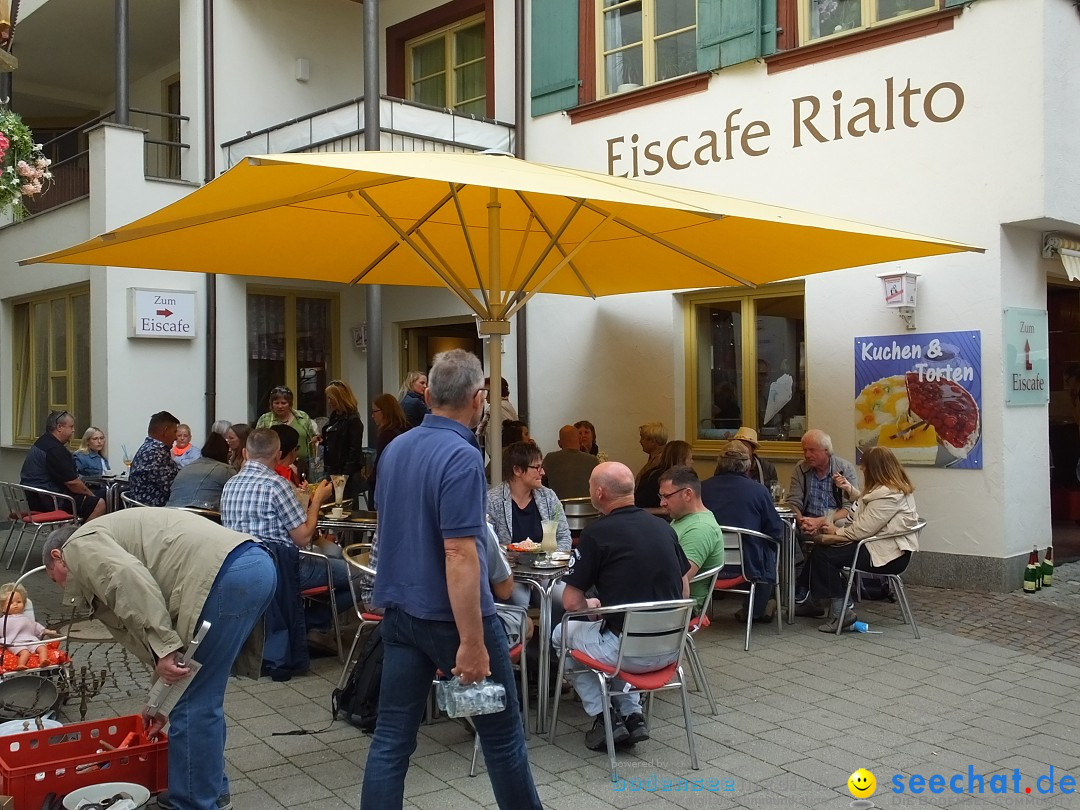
(887, 506)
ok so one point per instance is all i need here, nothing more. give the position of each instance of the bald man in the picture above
(628, 556)
(567, 469)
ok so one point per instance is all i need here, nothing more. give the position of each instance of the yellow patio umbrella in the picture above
(493, 229)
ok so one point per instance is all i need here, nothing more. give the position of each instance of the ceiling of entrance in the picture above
(66, 52)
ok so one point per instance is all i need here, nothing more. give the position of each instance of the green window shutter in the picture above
(952, 3)
(733, 31)
(554, 55)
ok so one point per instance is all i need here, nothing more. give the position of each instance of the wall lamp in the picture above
(899, 291)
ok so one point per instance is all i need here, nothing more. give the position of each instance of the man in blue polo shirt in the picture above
(432, 584)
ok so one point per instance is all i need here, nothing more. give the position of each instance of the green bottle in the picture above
(1038, 568)
(1048, 567)
(1031, 577)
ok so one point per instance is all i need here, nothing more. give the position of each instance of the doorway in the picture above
(420, 342)
(1063, 322)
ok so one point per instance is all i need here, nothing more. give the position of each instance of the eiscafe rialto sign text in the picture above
(900, 104)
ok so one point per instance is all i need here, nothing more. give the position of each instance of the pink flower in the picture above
(27, 189)
(4, 142)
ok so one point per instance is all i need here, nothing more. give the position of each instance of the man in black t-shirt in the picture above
(50, 465)
(627, 556)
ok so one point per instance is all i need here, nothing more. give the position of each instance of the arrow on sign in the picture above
(164, 312)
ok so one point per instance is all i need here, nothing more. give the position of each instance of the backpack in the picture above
(357, 702)
(877, 588)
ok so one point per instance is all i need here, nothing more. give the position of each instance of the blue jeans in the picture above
(236, 601)
(412, 650)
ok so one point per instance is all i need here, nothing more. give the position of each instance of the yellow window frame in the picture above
(648, 42)
(30, 405)
(449, 59)
(786, 450)
(868, 14)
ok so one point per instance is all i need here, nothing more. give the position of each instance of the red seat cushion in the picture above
(371, 617)
(515, 653)
(725, 584)
(639, 680)
(698, 622)
(46, 517)
(318, 590)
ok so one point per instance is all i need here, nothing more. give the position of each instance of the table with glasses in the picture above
(787, 560)
(541, 581)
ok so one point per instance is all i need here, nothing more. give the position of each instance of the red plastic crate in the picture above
(60, 760)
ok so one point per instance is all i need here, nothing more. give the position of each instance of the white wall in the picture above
(959, 179)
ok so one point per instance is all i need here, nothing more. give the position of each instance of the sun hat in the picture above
(734, 449)
(748, 435)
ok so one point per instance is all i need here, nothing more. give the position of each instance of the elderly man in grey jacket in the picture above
(153, 576)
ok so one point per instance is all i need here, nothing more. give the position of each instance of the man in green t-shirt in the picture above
(699, 533)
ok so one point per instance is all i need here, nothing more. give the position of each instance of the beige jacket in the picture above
(146, 574)
(883, 511)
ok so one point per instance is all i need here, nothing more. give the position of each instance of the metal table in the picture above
(787, 560)
(541, 581)
(355, 527)
(114, 485)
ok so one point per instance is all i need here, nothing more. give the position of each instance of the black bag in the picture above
(877, 588)
(357, 703)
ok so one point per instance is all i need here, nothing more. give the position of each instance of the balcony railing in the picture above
(71, 175)
(403, 126)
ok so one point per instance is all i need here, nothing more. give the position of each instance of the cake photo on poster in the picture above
(919, 396)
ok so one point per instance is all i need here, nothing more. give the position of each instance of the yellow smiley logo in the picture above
(862, 784)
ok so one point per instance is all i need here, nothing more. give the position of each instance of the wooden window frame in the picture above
(428, 23)
(290, 295)
(868, 12)
(446, 34)
(32, 355)
(648, 46)
(786, 450)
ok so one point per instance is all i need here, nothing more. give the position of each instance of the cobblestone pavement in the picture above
(989, 687)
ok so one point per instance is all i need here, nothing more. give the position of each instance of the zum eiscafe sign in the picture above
(161, 313)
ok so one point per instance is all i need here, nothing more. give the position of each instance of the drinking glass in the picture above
(339, 487)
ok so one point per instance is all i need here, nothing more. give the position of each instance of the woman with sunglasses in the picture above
(282, 412)
(343, 437)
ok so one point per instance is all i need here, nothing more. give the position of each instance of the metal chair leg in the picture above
(698, 670)
(749, 618)
(905, 605)
(688, 720)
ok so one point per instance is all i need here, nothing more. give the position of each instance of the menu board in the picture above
(921, 396)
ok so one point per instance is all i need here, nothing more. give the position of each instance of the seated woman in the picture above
(199, 484)
(886, 506)
(587, 436)
(647, 491)
(652, 436)
(90, 458)
(236, 437)
(518, 506)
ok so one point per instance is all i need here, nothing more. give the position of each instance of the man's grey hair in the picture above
(264, 445)
(454, 379)
(820, 438)
(52, 421)
(733, 464)
(54, 541)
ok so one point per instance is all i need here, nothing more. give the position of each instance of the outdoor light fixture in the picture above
(1068, 250)
(899, 292)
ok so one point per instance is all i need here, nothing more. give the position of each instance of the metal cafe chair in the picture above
(698, 622)
(649, 629)
(894, 579)
(60, 512)
(325, 593)
(734, 543)
(129, 502)
(357, 557)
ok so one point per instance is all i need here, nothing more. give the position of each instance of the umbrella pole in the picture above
(496, 329)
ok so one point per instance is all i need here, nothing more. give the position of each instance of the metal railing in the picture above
(404, 126)
(162, 154)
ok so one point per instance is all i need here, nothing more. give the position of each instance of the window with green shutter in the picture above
(734, 31)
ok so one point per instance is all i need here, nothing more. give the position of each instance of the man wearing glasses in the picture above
(50, 465)
(694, 523)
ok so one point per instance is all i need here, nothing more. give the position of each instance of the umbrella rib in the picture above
(553, 241)
(672, 246)
(406, 239)
(566, 260)
(393, 246)
(520, 252)
(468, 243)
(451, 280)
(547, 230)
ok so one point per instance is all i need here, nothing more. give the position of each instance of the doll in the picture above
(18, 632)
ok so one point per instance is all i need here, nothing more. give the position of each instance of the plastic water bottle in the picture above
(860, 627)
(465, 700)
